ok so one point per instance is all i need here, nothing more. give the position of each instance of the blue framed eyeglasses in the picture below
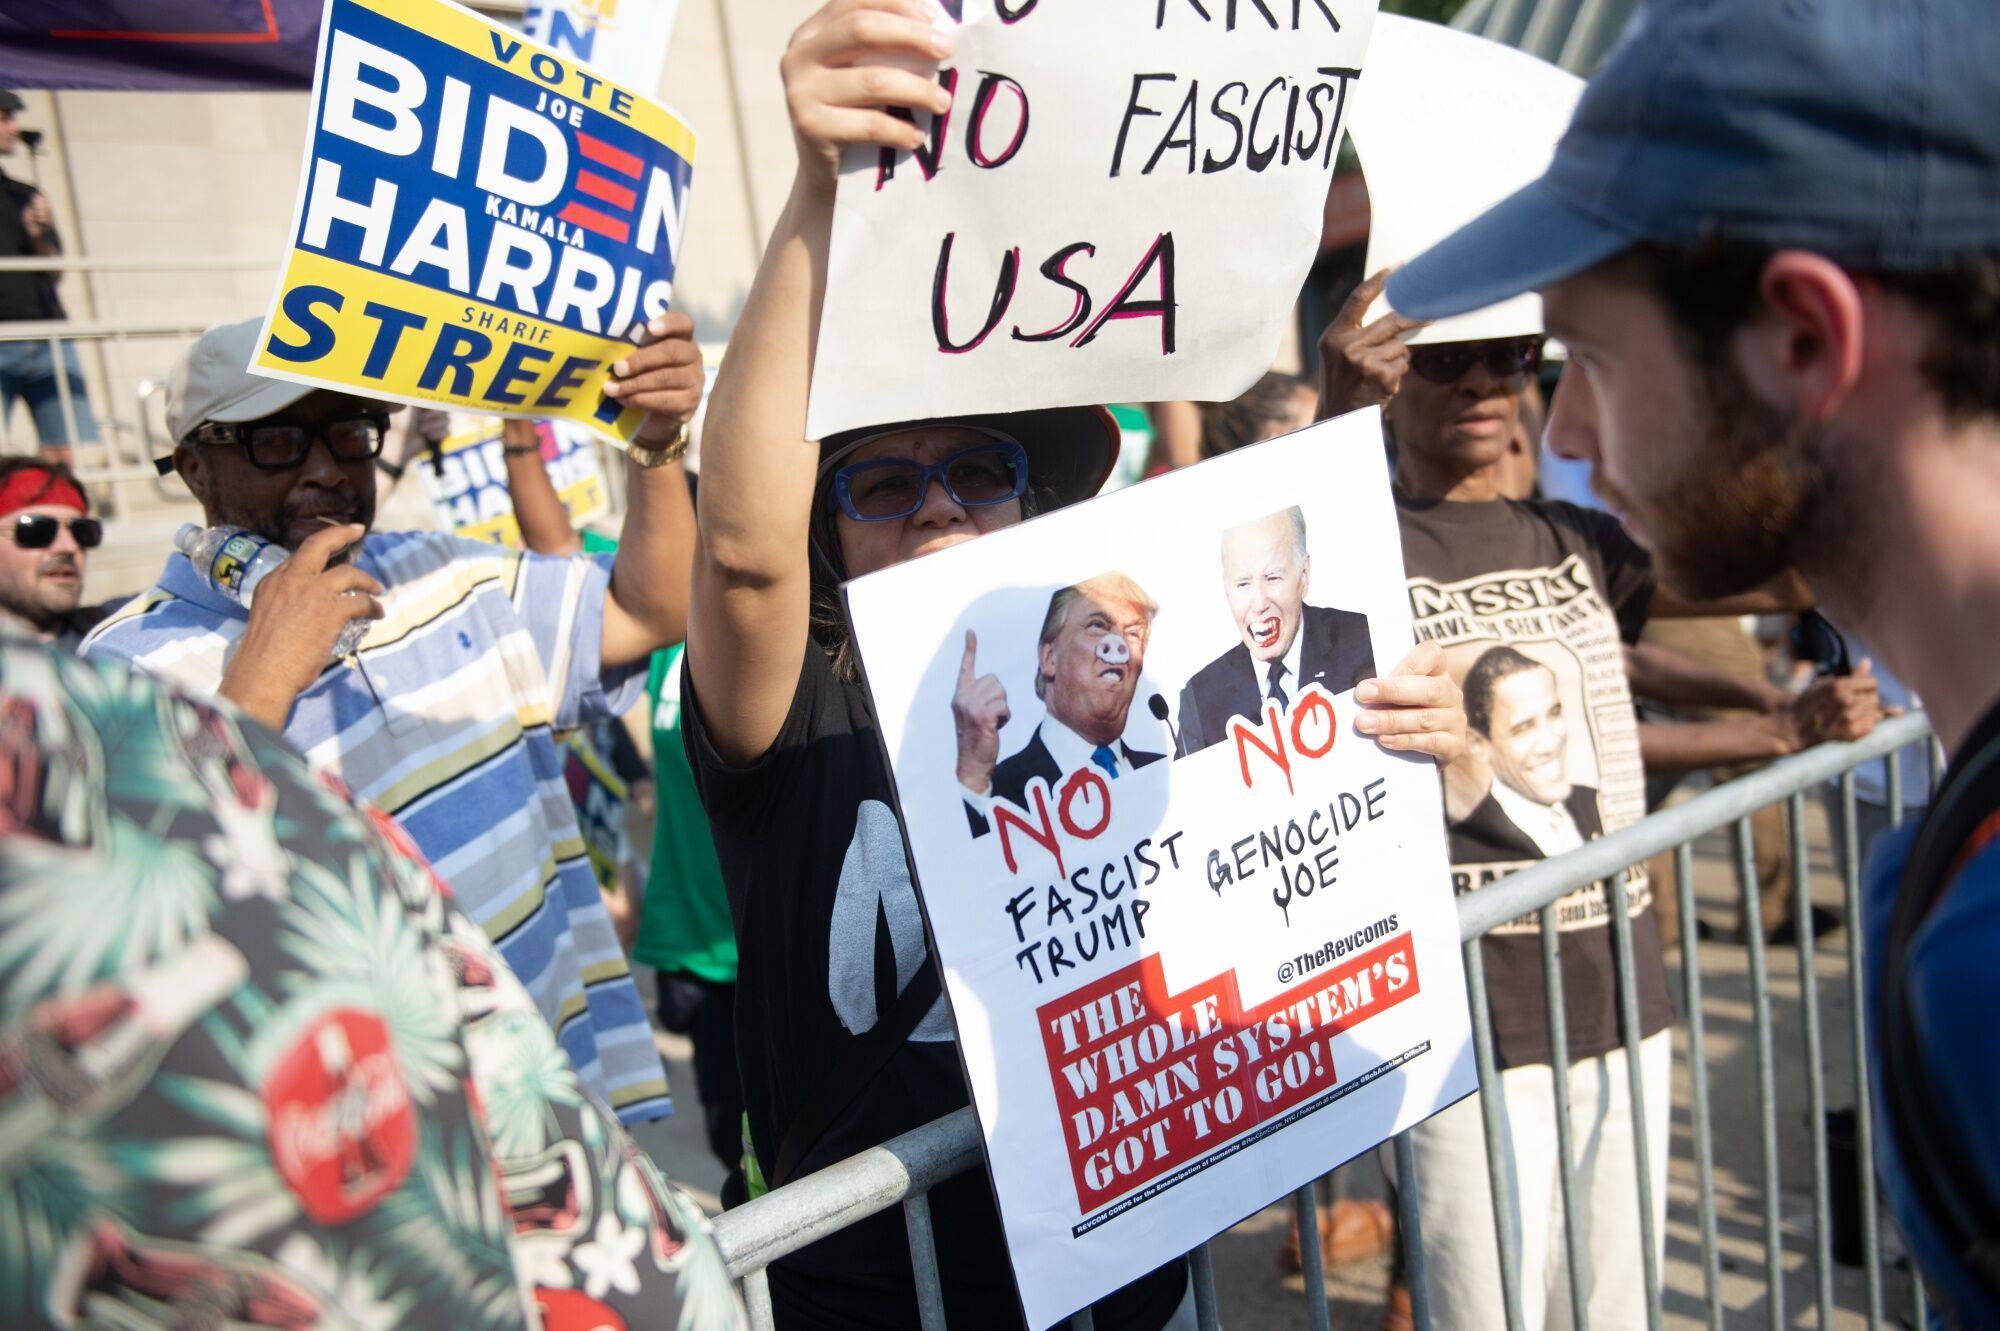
(980, 476)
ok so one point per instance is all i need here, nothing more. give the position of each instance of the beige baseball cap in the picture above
(212, 382)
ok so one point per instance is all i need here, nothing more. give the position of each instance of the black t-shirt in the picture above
(22, 295)
(1532, 603)
(828, 933)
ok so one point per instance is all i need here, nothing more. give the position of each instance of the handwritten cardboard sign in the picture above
(1197, 934)
(1120, 205)
(481, 223)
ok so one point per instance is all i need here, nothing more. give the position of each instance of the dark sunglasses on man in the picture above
(37, 531)
(282, 447)
(1504, 358)
(979, 476)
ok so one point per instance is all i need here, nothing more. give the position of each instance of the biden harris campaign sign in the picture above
(481, 223)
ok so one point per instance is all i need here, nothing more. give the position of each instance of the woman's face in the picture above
(939, 521)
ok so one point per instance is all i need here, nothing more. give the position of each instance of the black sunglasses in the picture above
(37, 531)
(1447, 362)
(282, 447)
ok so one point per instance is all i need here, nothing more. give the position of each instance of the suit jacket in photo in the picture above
(1489, 836)
(1334, 652)
(1011, 775)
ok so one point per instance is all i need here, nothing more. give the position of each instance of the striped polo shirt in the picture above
(444, 720)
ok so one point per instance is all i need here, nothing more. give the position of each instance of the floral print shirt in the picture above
(257, 1070)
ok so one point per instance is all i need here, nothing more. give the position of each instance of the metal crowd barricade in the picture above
(903, 1170)
(126, 443)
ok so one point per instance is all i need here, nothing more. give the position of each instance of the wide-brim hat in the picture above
(1071, 450)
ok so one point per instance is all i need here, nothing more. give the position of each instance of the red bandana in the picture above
(34, 485)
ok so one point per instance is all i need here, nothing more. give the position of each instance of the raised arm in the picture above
(538, 509)
(647, 606)
(748, 621)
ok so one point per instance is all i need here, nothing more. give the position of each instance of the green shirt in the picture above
(684, 924)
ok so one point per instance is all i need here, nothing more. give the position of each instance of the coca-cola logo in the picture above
(573, 1310)
(342, 1131)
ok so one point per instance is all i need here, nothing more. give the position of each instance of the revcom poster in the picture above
(481, 223)
(1197, 933)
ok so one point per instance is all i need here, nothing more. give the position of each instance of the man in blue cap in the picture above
(1770, 240)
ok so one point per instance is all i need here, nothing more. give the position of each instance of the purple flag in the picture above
(158, 44)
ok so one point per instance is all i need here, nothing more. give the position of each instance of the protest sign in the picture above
(467, 484)
(1428, 175)
(1200, 945)
(480, 223)
(625, 39)
(1119, 206)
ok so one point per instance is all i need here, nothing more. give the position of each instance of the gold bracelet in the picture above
(648, 457)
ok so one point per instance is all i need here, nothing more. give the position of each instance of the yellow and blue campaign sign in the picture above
(467, 482)
(481, 223)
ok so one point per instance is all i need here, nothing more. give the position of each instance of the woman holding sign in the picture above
(843, 1038)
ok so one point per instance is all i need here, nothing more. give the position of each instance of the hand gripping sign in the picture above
(481, 223)
(1197, 933)
(1119, 206)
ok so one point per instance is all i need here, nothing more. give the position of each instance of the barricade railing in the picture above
(126, 437)
(904, 1169)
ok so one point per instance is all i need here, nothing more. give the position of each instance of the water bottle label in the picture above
(233, 559)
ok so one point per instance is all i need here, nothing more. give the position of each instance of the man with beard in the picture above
(1286, 644)
(1487, 575)
(1784, 298)
(1089, 657)
(443, 715)
(48, 531)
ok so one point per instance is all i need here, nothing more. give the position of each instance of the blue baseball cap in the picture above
(1864, 130)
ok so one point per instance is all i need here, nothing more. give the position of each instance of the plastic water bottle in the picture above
(235, 561)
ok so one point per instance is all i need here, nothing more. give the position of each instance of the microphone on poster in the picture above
(1157, 705)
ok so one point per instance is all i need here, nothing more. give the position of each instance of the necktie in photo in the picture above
(1105, 758)
(1274, 689)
